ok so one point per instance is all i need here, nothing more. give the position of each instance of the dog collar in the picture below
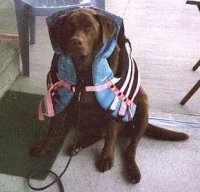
(115, 95)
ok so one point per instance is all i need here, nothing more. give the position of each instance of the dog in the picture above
(80, 33)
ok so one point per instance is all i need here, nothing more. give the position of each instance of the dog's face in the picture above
(81, 32)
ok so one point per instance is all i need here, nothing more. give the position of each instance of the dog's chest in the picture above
(91, 117)
(84, 78)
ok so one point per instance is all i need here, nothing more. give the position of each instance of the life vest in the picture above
(113, 94)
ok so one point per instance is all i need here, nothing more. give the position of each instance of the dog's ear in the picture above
(108, 28)
(55, 31)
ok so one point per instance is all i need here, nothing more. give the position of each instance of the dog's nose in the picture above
(77, 42)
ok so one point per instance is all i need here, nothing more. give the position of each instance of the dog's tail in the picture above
(165, 134)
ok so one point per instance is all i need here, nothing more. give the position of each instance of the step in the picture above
(9, 65)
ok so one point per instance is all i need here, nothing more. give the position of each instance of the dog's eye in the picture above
(89, 28)
(68, 29)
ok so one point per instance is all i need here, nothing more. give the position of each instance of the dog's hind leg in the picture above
(140, 126)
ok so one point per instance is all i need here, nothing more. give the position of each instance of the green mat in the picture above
(19, 130)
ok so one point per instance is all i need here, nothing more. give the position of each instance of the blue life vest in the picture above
(113, 94)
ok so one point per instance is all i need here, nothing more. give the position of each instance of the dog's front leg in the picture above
(50, 138)
(106, 161)
(140, 125)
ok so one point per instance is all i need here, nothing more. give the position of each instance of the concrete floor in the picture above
(165, 38)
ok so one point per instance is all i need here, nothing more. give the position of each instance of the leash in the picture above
(58, 177)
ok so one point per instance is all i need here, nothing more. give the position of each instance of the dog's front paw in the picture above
(133, 173)
(132, 169)
(41, 148)
(105, 164)
(37, 151)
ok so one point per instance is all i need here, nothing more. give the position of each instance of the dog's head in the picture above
(81, 32)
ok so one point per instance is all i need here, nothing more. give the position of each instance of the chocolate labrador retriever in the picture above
(80, 33)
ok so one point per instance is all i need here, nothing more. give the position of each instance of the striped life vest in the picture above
(113, 94)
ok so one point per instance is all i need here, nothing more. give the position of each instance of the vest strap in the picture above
(105, 85)
(46, 104)
(48, 107)
(73, 88)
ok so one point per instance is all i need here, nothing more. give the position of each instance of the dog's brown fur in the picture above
(80, 34)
